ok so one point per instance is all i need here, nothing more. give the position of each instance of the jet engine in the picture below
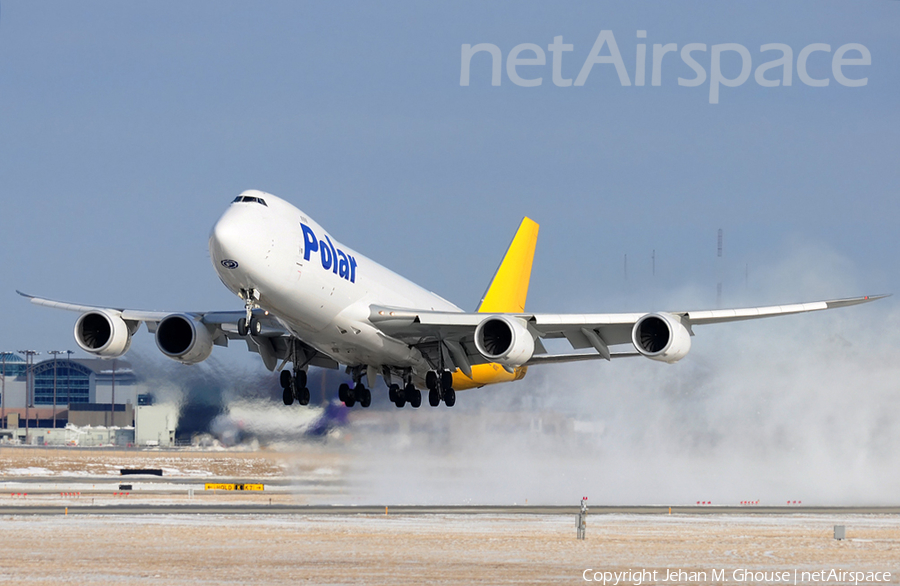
(103, 333)
(505, 340)
(661, 336)
(182, 338)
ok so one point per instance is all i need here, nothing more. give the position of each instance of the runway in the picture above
(130, 509)
(318, 521)
(439, 545)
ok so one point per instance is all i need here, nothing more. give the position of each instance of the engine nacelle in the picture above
(182, 338)
(505, 340)
(103, 333)
(661, 336)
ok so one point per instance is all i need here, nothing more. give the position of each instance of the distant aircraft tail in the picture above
(509, 287)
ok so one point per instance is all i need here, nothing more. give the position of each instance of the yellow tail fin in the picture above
(509, 287)
(506, 294)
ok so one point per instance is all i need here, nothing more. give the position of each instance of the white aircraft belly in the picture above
(351, 342)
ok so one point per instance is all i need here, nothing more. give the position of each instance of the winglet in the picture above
(509, 287)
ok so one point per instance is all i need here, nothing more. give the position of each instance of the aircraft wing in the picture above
(126, 314)
(430, 330)
(226, 321)
(616, 328)
(448, 338)
(272, 343)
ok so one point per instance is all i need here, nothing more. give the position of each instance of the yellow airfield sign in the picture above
(212, 486)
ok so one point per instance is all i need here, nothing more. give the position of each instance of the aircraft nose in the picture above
(226, 237)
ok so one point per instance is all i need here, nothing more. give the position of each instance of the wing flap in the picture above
(546, 321)
(580, 357)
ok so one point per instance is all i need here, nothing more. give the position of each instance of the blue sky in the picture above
(128, 127)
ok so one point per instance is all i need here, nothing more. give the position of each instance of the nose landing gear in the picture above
(254, 328)
(249, 324)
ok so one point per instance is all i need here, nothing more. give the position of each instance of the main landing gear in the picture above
(294, 386)
(407, 394)
(440, 387)
(359, 393)
(439, 383)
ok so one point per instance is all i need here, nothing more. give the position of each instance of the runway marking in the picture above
(228, 486)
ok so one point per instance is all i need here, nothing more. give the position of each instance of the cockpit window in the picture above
(249, 199)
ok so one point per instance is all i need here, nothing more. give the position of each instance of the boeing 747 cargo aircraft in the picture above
(311, 301)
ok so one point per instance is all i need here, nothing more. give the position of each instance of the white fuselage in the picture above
(316, 287)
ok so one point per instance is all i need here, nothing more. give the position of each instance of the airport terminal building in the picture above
(51, 391)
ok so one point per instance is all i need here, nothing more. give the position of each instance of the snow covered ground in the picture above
(380, 549)
(434, 549)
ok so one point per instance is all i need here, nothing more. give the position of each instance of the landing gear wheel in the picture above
(255, 327)
(303, 396)
(366, 398)
(450, 397)
(344, 392)
(413, 395)
(397, 396)
(446, 379)
(288, 397)
(301, 377)
(358, 394)
(285, 379)
(431, 380)
(300, 393)
(242, 327)
(434, 398)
